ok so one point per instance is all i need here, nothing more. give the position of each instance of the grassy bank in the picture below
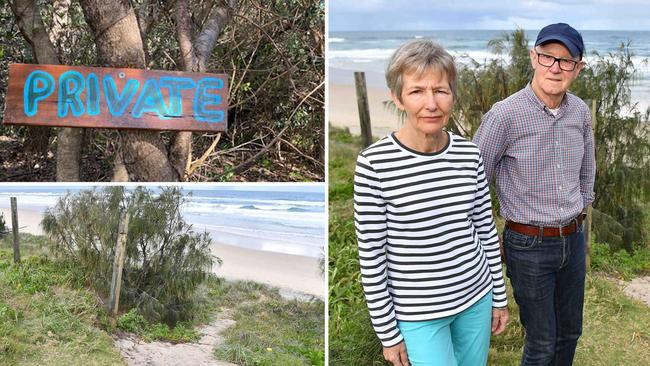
(48, 316)
(269, 329)
(616, 328)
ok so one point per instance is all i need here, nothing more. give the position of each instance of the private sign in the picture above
(53, 95)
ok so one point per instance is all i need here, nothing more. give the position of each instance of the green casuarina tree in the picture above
(166, 261)
(622, 144)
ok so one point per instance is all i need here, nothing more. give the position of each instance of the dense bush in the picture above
(165, 260)
(273, 54)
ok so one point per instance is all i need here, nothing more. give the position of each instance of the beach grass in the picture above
(48, 316)
(616, 328)
(269, 329)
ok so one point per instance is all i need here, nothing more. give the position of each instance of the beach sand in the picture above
(344, 113)
(28, 221)
(291, 273)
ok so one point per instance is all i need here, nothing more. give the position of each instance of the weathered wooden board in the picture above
(74, 96)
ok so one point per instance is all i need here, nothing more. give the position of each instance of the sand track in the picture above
(137, 352)
(638, 288)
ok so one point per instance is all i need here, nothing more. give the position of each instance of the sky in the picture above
(346, 15)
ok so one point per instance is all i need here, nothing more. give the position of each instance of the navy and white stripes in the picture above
(428, 247)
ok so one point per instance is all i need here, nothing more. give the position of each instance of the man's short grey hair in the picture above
(418, 56)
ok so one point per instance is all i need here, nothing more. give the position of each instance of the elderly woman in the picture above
(428, 246)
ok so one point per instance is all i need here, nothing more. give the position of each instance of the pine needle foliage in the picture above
(166, 261)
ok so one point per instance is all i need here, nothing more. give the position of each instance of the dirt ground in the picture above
(137, 352)
(638, 288)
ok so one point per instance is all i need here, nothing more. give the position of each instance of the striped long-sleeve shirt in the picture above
(428, 246)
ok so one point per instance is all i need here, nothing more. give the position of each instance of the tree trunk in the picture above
(60, 31)
(31, 26)
(119, 44)
(194, 56)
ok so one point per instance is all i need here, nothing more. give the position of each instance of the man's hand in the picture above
(397, 354)
(499, 321)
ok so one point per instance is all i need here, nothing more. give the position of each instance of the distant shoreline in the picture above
(344, 113)
(286, 271)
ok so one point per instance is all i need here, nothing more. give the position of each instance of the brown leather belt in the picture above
(530, 230)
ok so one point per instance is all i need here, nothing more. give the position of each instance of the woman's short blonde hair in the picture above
(418, 56)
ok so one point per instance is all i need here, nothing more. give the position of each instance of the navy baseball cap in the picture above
(564, 34)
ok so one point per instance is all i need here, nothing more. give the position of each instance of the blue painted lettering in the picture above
(92, 95)
(150, 100)
(203, 99)
(117, 103)
(175, 84)
(71, 83)
(39, 85)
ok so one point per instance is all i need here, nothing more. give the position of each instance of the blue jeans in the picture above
(548, 280)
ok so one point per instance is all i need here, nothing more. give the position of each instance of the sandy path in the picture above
(136, 352)
(638, 288)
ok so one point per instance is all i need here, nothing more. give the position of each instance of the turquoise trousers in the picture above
(458, 340)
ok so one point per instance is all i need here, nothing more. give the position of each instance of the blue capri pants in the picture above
(458, 340)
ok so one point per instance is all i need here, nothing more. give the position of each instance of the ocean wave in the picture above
(205, 200)
(336, 40)
(217, 212)
(302, 238)
(362, 54)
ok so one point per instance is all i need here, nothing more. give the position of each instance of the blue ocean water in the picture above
(369, 51)
(290, 220)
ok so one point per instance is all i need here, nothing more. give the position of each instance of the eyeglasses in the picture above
(548, 61)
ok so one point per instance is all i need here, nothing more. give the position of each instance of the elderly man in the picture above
(539, 144)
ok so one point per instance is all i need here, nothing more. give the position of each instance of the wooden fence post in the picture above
(118, 263)
(14, 227)
(364, 110)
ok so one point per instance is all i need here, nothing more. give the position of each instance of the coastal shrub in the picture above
(131, 321)
(165, 262)
(620, 262)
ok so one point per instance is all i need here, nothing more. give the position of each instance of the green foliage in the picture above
(622, 143)
(352, 340)
(131, 321)
(46, 317)
(269, 329)
(273, 52)
(165, 260)
(180, 333)
(135, 323)
(276, 332)
(621, 262)
(9, 314)
(38, 274)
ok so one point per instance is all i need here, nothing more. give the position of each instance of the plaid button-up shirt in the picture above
(544, 163)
